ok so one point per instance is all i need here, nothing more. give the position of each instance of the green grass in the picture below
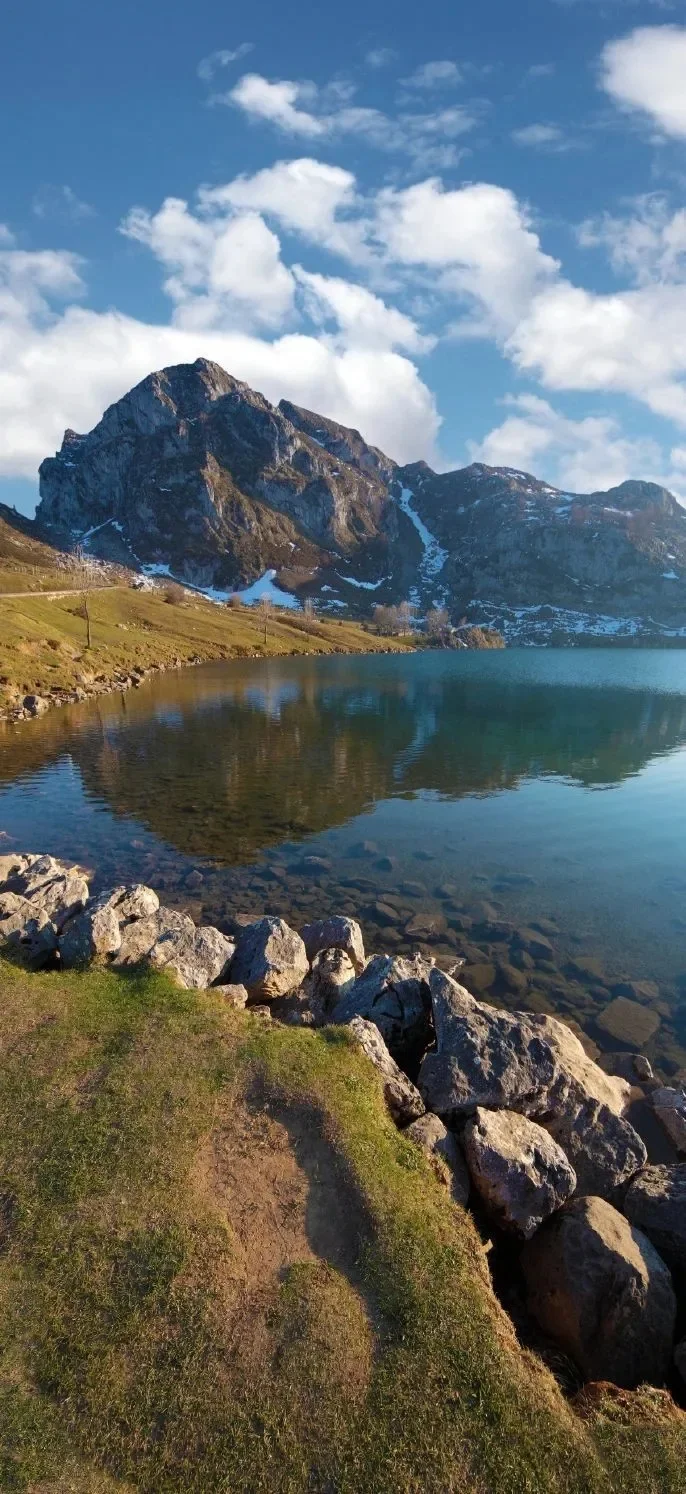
(43, 640)
(135, 1353)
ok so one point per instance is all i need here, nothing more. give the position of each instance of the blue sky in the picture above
(461, 227)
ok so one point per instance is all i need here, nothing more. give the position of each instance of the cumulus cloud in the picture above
(307, 197)
(363, 319)
(380, 57)
(645, 72)
(648, 244)
(578, 456)
(480, 238)
(222, 269)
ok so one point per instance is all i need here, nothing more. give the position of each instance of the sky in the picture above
(458, 227)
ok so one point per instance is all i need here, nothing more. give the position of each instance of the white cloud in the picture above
(579, 456)
(208, 66)
(31, 279)
(364, 320)
(632, 342)
(648, 244)
(645, 72)
(305, 196)
(541, 137)
(302, 109)
(61, 203)
(222, 269)
(380, 57)
(479, 236)
(439, 74)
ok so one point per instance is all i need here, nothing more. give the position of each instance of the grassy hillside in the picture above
(26, 563)
(222, 1269)
(43, 640)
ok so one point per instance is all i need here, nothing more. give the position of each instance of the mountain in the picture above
(194, 473)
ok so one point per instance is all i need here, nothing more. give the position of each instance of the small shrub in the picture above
(235, 603)
(174, 594)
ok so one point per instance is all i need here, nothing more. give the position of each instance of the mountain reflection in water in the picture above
(473, 777)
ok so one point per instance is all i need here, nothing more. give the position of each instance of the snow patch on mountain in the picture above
(434, 557)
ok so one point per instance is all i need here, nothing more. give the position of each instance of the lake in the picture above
(449, 800)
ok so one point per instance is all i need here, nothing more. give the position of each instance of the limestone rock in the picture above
(337, 932)
(521, 1174)
(656, 1204)
(92, 934)
(603, 1148)
(270, 959)
(510, 1060)
(27, 933)
(138, 936)
(402, 1098)
(52, 887)
(235, 996)
(443, 1151)
(392, 992)
(599, 1288)
(11, 865)
(36, 705)
(331, 977)
(194, 959)
(669, 1105)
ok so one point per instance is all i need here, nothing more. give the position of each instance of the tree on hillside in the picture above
(437, 622)
(87, 574)
(264, 608)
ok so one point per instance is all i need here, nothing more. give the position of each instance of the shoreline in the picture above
(525, 1131)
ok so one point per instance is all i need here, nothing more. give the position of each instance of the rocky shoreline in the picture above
(584, 1231)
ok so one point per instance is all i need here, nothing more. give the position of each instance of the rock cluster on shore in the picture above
(507, 1106)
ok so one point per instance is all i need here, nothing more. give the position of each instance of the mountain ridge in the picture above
(195, 473)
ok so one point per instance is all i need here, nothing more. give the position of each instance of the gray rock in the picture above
(603, 1148)
(93, 934)
(393, 992)
(634, 1067)
(36, 705)
(270, 959)
(510, 1060)
(26, 933)
(194, 960)
(521, 1174)
(534, 943)
(669, 1105)
(332, 975)
(52, 887)
(335, 933)
(443, 1151)
(402, 1098)
(656, 1203)
(235, 996)
(139, 936)
(599, 1288)
(10, 866)
(135, 901)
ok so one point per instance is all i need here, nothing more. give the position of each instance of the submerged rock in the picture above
(521, 1174)
(599, 1288)
(270, 959)
(402, 1098)
(443, 1151)
(627, 1022)
(669, 1105)
(656, 1203)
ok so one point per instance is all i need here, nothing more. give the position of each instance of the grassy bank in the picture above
(222, 1269)
(43, 640)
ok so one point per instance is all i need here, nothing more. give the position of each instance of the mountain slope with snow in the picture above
(196, 475)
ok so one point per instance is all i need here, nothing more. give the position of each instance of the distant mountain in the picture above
(194, 473)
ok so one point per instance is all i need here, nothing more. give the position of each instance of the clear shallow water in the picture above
(548, 785)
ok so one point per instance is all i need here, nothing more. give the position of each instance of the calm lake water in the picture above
(485, 791)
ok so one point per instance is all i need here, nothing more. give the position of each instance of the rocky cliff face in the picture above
(195, 473)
